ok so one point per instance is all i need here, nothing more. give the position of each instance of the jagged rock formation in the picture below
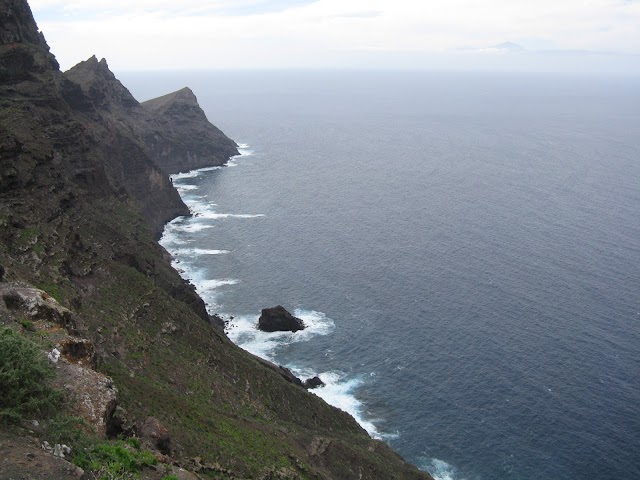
(278, 319)
(182, 138)
(80, 201)
(173, 128)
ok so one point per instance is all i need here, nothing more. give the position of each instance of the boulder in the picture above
(89, 395)
(36, 304)
(278, 319)
(313, 382)
(155, 436)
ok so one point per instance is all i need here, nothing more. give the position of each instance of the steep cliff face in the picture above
(80, 200)
(173, 129)
(180, 117)
(101, 100)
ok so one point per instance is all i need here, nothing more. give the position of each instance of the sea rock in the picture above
(289, 376)
(313, 382)
(278, 319)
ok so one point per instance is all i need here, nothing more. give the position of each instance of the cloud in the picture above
(148, 34)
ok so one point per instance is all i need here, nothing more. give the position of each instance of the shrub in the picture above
(114, 460)
(24, 375)
(27, 325)
(68, 430)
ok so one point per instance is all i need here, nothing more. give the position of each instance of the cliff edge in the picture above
(82, 195)
(173, 128)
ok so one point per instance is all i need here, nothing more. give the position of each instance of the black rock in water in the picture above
(313, 382)
(278, 319)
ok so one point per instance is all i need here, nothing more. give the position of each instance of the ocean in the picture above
(464, 248)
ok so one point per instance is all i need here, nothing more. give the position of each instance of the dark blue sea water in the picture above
(465, 249)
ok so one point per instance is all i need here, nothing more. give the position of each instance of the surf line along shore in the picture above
(339, 390)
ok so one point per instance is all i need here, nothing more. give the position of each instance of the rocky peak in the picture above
(101, 85)
(17, 24)
(23, 49)
(182, 102)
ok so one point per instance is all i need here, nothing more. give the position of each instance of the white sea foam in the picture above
(195, 227)
(186, 188)
(213, 284)
(180, 252)
(244, 150)
(216, 216)
(243, 331)
(171, 236)
(202, 210)
(176, 177)
(339, 391)
(440, 470)
(183, 175)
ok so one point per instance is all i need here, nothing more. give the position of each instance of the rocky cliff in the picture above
(173, 128)
(83, 191)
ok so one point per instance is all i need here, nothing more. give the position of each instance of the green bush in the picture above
(27, 325)
(24, 376)
(68, 430)
(114, 460)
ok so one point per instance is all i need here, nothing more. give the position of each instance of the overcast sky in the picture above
(588, 35)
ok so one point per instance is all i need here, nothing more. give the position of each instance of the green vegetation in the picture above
(106, 460)
(52, 289)
(67, 430)
(27, 325)
(24, 375)
(114, 460)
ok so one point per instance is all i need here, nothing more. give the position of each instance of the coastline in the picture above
(81, 200)
(339, 390)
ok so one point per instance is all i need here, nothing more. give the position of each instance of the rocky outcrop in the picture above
(101, 86)
(278, 319)
(89, 395)
(174, 130)
(155, 436)
(313, 382)
(181, 137)
(35, 304)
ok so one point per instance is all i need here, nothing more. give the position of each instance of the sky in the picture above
(531, 35)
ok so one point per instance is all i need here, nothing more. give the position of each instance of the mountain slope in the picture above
(81, 198)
